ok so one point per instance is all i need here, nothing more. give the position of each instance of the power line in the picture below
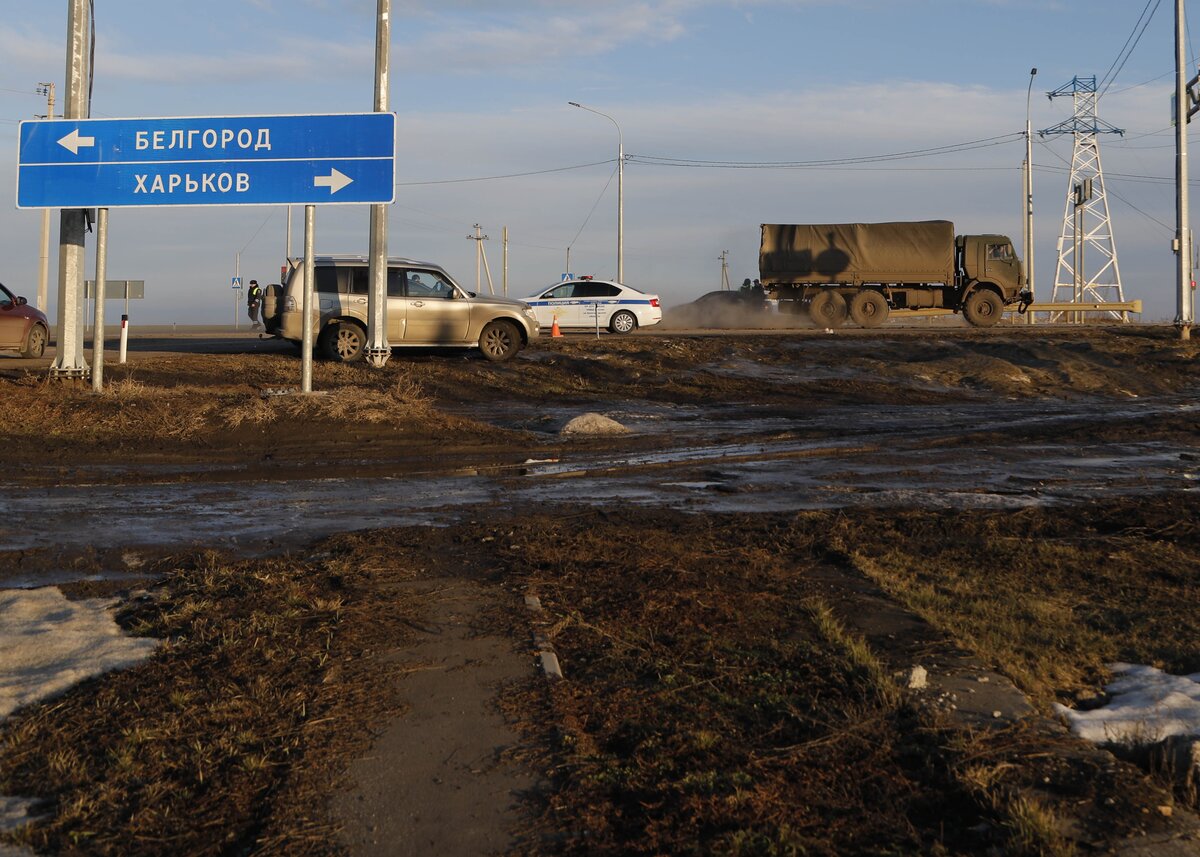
(593, 211)
(1136, 36)
(953, 148)
(258, 230)
(507, 175)
(1143, 83)
(1156, 180)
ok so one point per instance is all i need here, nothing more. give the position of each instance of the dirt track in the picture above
(921, 469)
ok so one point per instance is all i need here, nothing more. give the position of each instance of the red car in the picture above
(22, 328)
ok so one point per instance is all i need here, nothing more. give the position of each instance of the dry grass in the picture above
(229, 739)
(714, 703)
(1051, 596)
(165, 403)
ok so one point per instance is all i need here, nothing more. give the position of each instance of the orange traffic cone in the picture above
(554, 331)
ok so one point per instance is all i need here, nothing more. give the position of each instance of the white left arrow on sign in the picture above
(335, 181)
(73, 142)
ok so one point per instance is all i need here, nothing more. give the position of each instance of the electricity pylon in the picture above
(1088, 269)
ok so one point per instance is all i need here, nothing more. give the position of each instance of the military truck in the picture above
(866, 270)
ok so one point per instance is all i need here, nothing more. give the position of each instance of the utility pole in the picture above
(1027, 220)
(378, 351)
(479, 238)
(1083, 195)
(69, 362)
(725, 270)
(43, 294)
(505, 281)
(1184, 108)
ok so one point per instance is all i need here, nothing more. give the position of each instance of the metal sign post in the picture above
(378, 350)
(310, 272)
(98, 321)
(237, 299)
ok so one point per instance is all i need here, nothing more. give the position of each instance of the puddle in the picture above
(917, 456)
(55, 578)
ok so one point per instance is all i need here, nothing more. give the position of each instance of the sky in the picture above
(481, 91)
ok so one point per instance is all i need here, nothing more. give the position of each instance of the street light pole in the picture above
(620, 189)
(1028, 221)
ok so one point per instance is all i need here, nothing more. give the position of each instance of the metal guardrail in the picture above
(1045, 306)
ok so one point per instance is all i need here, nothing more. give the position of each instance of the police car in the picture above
(588, 303)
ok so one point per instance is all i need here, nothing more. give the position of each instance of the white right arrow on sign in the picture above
(335, 181)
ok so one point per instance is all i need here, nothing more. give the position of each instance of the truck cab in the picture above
(991, 259)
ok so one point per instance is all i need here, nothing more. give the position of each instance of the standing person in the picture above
(254, 297)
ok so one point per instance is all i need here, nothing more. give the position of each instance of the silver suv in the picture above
(425, 307)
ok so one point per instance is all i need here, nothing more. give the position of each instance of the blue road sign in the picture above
(223, 160)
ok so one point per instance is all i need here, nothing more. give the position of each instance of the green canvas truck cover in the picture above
(918, 252)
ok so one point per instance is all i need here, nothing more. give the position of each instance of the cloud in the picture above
(25, 46)
(464, 43)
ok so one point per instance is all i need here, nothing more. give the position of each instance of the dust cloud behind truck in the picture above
(867, 270)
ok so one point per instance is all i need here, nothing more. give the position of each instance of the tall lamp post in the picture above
(620, 189)
(1028, 219)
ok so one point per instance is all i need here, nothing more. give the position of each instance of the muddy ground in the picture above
(360, 589)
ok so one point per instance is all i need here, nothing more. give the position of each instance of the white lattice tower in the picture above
(1101, 280)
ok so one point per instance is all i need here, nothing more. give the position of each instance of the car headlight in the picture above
(529, 313)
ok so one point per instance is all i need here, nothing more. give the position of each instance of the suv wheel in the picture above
(499, 341)
(344, 342)
(35, 342)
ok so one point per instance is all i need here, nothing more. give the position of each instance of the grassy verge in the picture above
(1050, 595)
(187, 398)
(714, 703)
(227, 740)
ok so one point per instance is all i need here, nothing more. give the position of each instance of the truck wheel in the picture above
(869, 308)
(623, 322)
(827, 309)
(983, 308)
(343, 341)
(499, 341)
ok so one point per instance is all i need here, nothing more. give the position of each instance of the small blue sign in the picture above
(346, 158)
(237, 282)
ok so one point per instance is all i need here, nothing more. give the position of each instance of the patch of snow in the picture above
(15, 812)
(48, 644)
(593, 424)
(1146, 705)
